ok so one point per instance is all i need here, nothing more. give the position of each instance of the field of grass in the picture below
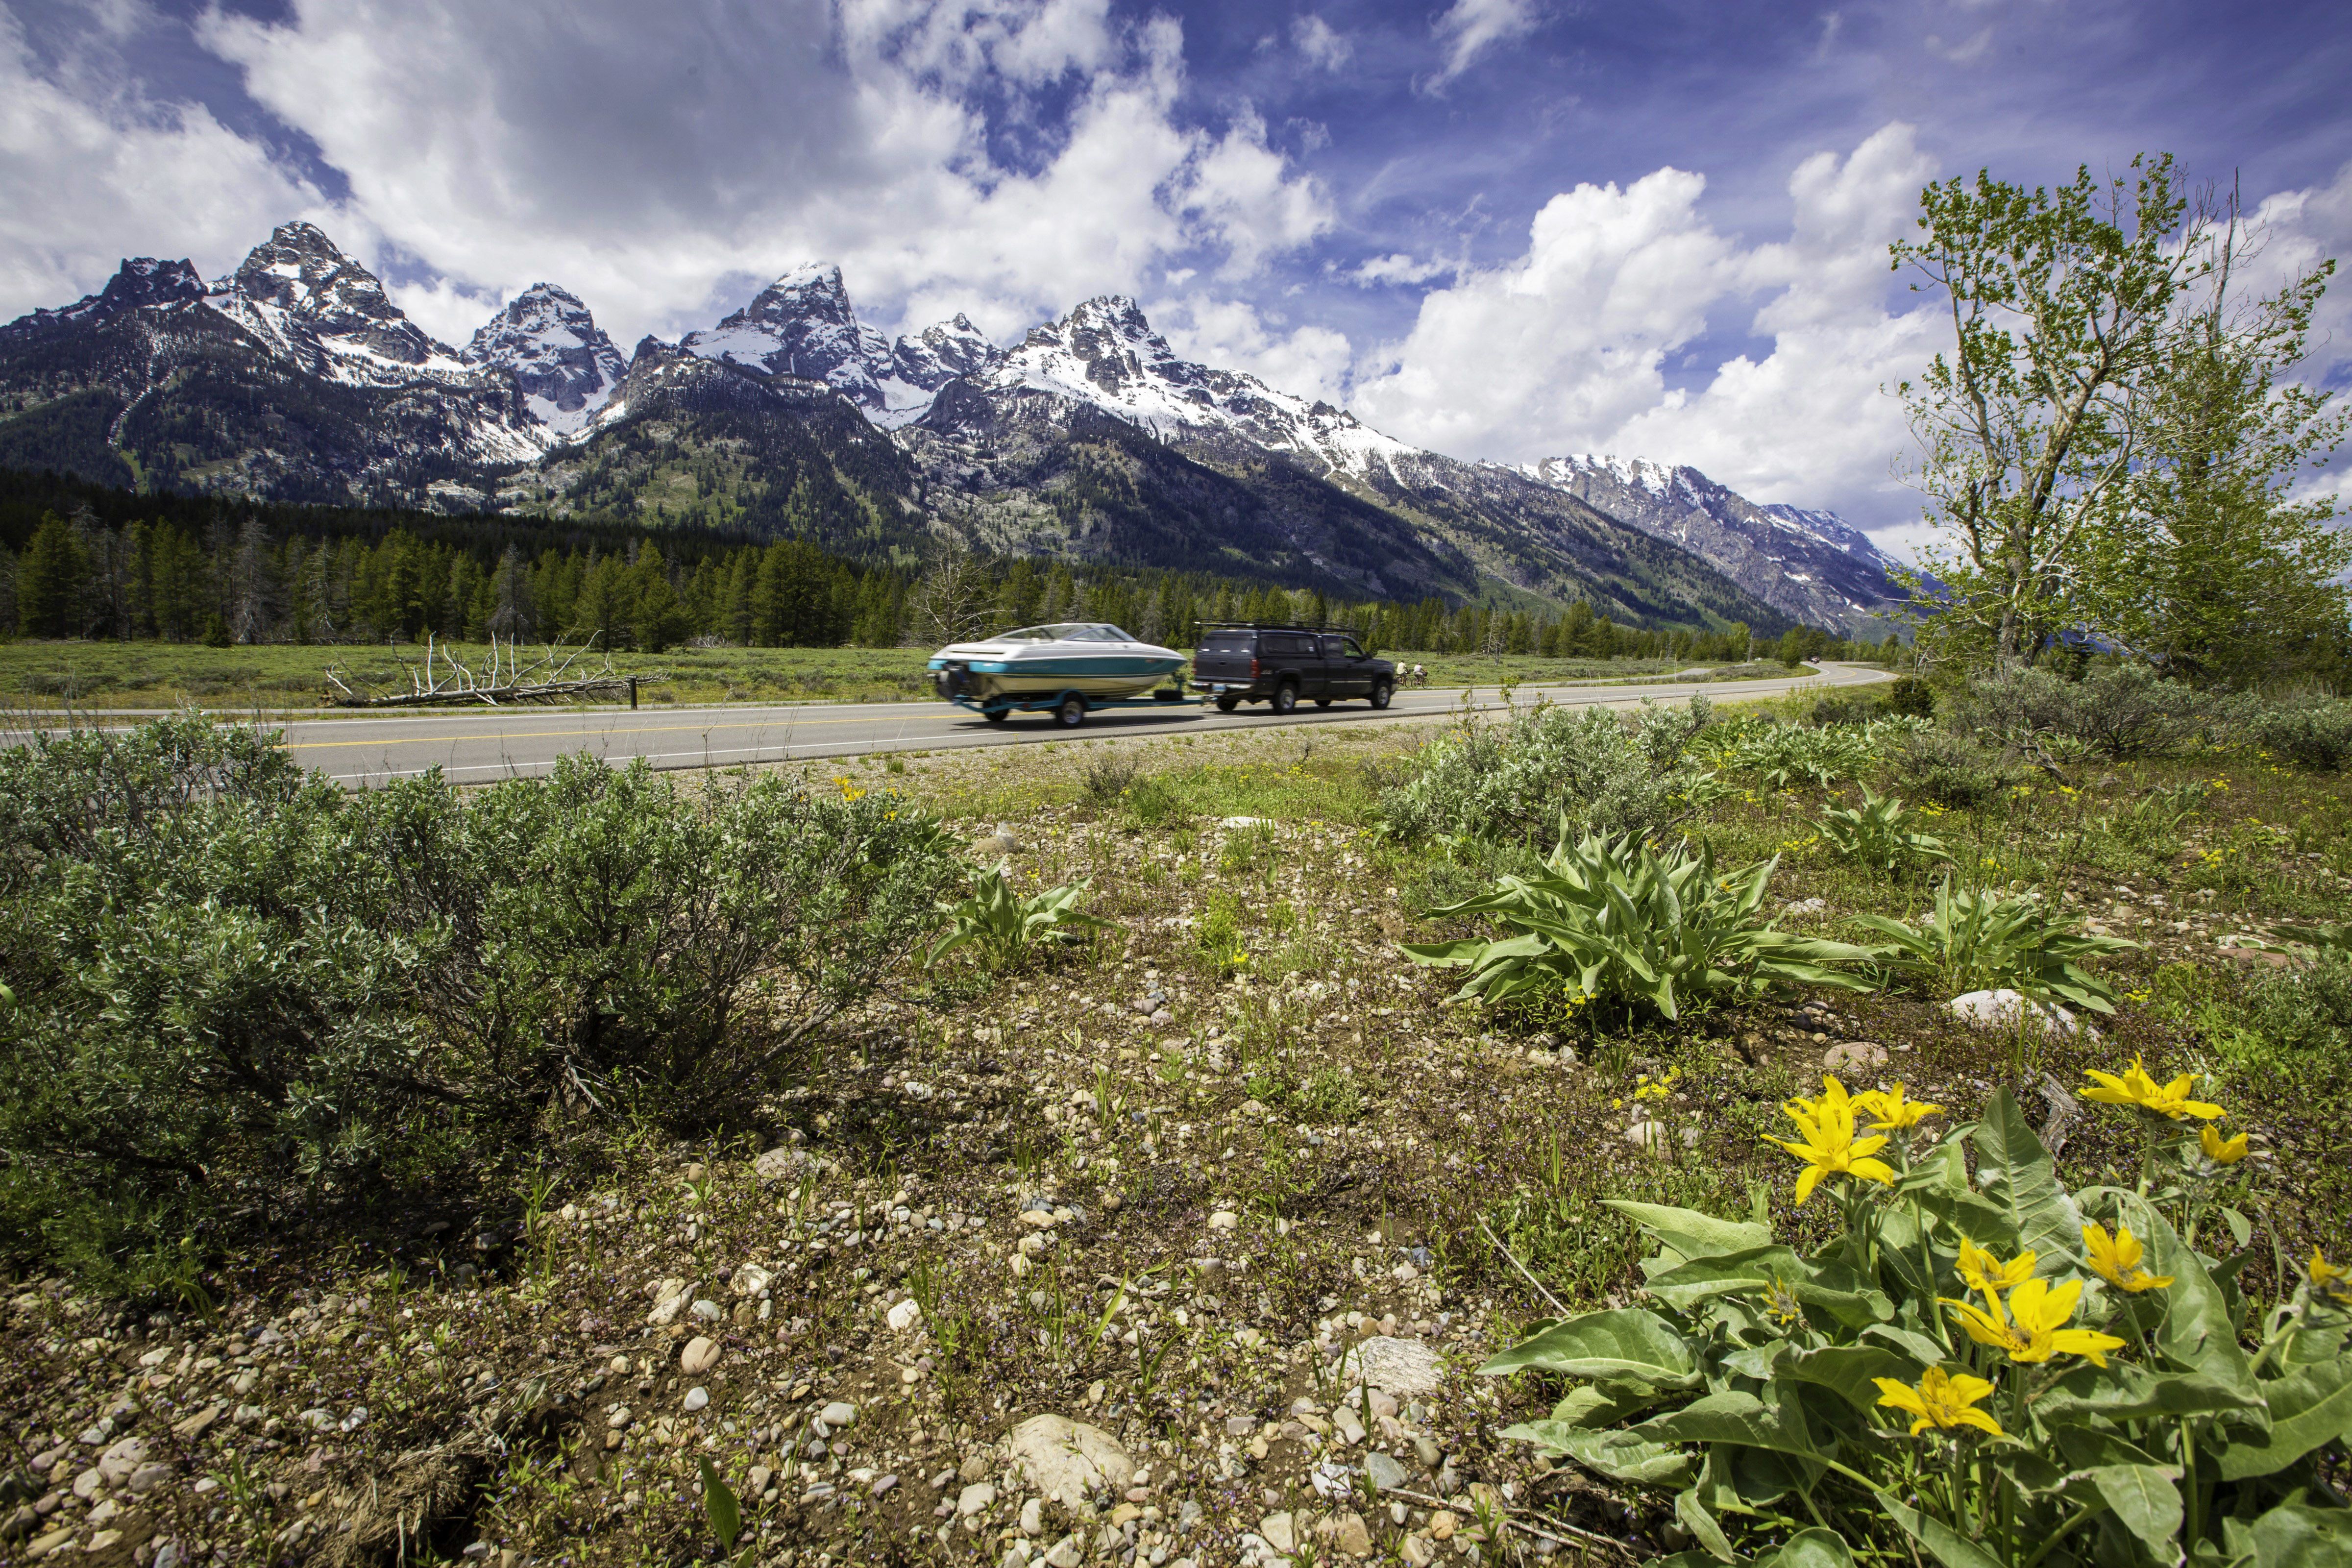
(1161, 1181)
(291, 679)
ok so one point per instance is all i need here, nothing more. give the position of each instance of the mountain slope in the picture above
(546, 340)
(1812, 566)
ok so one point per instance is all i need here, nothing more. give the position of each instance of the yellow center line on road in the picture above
(447, 739)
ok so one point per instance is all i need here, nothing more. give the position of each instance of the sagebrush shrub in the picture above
(2314, 735)
(1518, 781)
(2122, 711)
(240, 988)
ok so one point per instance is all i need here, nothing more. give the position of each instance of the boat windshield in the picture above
(1065, 631)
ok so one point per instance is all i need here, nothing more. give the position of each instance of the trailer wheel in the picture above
(996, 715)
(1072, 712)
(1227, 704)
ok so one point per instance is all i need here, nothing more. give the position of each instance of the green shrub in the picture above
(1910, 696)
(1516, 782)
(1951, 770)
(2122, 711)
(1616, 923)
(2311, 734)
(1974, 1372)
(241, 988)
(1974, 940)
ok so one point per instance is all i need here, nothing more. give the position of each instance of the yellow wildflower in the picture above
(1988, 1275)
(2032, 1330)
(2169, 1100)
(1834, 1099)
(2328, 1279)
(2116, 1259)
(1830, 1148)
(1941, 1402)
(1890, 1112)
(2219, 1150)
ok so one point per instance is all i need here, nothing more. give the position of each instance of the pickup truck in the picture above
(1279, 665)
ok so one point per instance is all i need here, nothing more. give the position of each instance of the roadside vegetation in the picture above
(828, 1128)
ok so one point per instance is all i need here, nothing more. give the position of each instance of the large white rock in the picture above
(1069, 1460)
(1406, 1368)
(2007, 1009)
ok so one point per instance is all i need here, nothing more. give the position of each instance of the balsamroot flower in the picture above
(2328, 1279)
(2032, 1329)
(2219, 1150)
(1890, 1112)
(1829, 1147)
(2169, 1100)
(2117, 1258)
(1988, 1275)
(1941, 1402)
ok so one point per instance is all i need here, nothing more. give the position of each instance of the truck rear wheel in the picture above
(1285, 698)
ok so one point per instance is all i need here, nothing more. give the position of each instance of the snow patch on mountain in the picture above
(141, 280)
(309, 303)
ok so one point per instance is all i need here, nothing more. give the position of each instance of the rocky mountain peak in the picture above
(943, 351)
(300, 295)
(802, 325)
(562, 361)
(141, 280)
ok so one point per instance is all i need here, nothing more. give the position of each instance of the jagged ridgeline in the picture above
(1090, 443)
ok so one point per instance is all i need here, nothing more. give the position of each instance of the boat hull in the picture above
(1109, 676)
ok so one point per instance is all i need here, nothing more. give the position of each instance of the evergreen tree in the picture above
(49, 580)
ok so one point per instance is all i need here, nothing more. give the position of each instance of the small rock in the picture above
(1240, 1425)
(699, 1356)
(117, 1463)
(1426, 1449)
(620, 1417)
(708, 1311)
(1348, 1534)
(1225, 1219)
(1069, 1460)
(1277, 1531)
(838, 1415)
(972, 1469)
(1033, 1517)
(1162, 1019)
(749, 1280)
(148, 1476)
(1648, 1135)
(1442, 1524)
(975, 1498)
(696, 1397)
(1806, 907)
(1385, 1474)
(757, 1481)
(2006, 1009)
(904, 1315)
(1854, 1054)
(1067, 1552)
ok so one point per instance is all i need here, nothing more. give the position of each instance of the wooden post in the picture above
(633, 694)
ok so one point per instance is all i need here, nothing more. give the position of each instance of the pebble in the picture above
(1853, 1054)
(1069, 1460)
(1277, 1531)
(1385, 1474)
(1442, 1524)
(696, 1397)
(839, 1413)
(699, 1356)
(1225, 1219)
(975, 1498)
(2006, 1009)
(1408, 1369)
(904, 1315)
(1033, 1517)
(619, 1418)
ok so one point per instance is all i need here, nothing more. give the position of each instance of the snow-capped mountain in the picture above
(317, 308)
(547, 340)
(1810, 564)
(297, 376)
(1105, 353)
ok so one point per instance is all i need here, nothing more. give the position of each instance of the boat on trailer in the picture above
(1067, 667)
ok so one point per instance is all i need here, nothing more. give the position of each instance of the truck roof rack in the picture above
(1279, 626)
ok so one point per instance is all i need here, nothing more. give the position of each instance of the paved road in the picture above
(481, 748)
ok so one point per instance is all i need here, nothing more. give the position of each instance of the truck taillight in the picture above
(1253, 668)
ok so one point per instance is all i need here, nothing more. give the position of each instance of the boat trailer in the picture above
(1069, 707)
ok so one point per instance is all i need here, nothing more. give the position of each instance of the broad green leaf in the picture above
(1979, 1218)
(2015, 1171)
(1620, 1456)
(1847, 1370)
(1701, 1524)
(719, 1505)
(2308, 1406)
(2145, 1499)
(1692, 1234)
(1603, 1403)
(1919, 1347)
(2242, 1230)
(1749, 1477)
(1944, 1168)
(2297, 1535)
(1627, 1343)
(1740, 1420)
(1684, 1285)
(1814, 1548)
(1943, 1543)
(2126, 1392)
(2197, 1331)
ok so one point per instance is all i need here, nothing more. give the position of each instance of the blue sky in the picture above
(1502, 228)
